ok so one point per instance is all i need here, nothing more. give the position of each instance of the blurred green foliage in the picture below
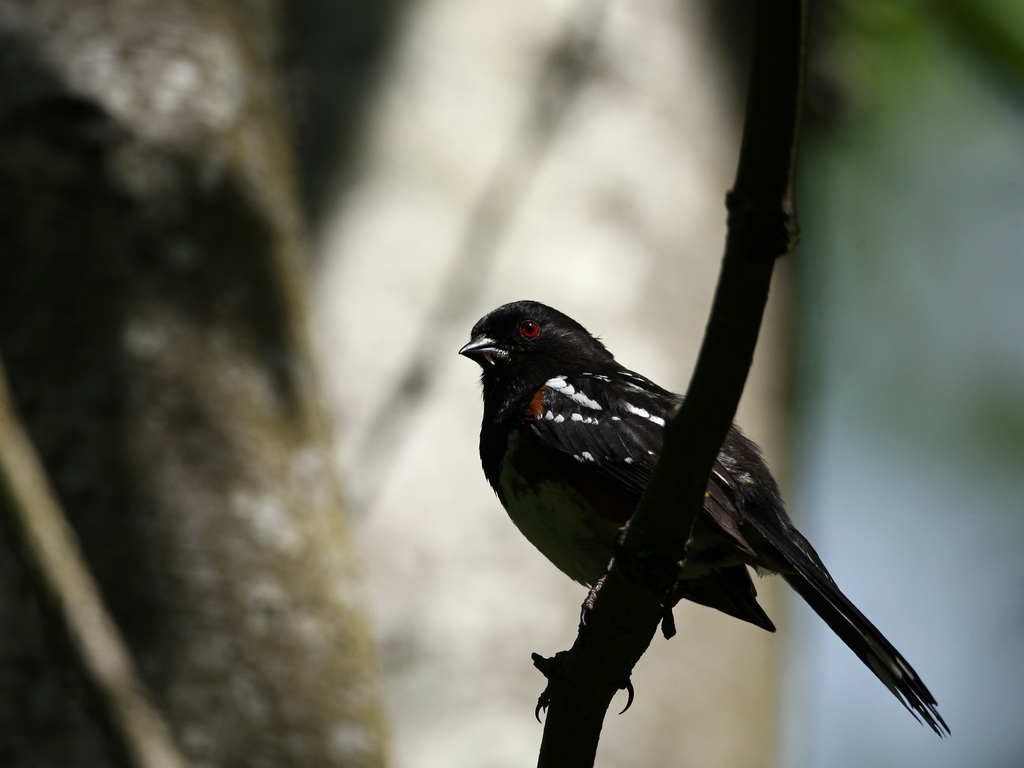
(912, 203)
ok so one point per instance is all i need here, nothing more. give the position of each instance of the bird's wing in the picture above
(612, 423)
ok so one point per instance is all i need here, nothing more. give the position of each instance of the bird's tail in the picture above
(815, 586)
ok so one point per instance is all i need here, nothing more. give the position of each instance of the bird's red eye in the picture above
(529, 329)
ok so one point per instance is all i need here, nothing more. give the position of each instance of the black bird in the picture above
(568, 443)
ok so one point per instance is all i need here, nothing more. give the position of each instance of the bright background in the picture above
(578, 153)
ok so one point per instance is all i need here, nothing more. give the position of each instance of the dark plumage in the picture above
(568, 443)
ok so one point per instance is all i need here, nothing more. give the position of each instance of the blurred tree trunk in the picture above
(154, 335)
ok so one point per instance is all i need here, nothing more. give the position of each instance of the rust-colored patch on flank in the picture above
(536, 407)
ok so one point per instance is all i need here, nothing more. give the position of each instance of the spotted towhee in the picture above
(569, 441)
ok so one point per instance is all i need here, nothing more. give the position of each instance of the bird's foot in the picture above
(548, 667)
(590, 601)
(668, 620)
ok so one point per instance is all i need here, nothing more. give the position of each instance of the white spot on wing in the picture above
(585, 401)
(559, 384)
(642, 413)
(576, 417)
(629, 460)
(559, 419)
(587, 456)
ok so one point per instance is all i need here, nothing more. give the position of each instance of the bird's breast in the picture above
(561, 508)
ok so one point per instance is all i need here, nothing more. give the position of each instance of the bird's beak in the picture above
(482, 350)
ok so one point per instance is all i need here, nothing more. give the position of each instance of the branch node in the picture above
(760, 232)
(546, 665)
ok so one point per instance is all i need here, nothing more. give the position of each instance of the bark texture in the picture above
(153, 333)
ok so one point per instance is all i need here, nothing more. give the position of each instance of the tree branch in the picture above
(61, 577)
(762, 227)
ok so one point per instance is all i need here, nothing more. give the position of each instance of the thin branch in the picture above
(762, 228)
(63, 580)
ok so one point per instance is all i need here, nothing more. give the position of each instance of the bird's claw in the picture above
(668, 624)
(546, 667)
(628, 688)
(542, 703)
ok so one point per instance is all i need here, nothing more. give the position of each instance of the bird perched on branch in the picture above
(569, 442)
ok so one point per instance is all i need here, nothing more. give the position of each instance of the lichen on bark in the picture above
(153, 332)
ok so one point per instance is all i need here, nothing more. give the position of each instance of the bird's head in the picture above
(529, 342)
